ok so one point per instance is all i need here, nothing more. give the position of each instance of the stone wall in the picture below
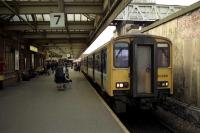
(184, 32)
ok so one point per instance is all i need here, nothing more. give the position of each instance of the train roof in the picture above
(140, 34)
(128, 36)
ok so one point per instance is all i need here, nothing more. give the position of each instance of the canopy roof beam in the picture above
(110, 15)
(47, 7)
(24, 27)
(54, 35)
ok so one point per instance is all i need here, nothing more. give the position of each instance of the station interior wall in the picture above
(9, 74)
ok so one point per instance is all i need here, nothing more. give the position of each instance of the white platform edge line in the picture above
(110, 110)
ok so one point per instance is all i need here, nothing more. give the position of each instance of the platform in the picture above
(37, 107)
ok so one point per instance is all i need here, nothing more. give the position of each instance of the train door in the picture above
(143, 67)
(103, 69)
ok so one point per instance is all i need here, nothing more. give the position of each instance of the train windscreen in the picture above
(121, 55)
(163, 55)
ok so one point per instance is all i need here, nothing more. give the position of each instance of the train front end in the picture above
(142, 67)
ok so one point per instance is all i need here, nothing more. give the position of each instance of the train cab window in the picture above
(163, 57)
(121, 55)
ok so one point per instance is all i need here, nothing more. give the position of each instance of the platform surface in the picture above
(36, 106)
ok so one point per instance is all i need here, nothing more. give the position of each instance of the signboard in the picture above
(57, 20)
(34, 49)
(16, 59)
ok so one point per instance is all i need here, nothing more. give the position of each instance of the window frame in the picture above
(114, 62)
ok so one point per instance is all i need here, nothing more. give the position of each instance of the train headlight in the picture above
(121, 84)
(117, 85)
(163, 84)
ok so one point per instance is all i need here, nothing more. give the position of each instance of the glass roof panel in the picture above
(39, 17)
(16, 18)
(29, 17)
(46, 17)
(92, 16)
(83, 18)
(70, 17)
(77, 17)
(24, 17)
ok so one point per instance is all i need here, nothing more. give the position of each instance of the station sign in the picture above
(57, 20)
(33, 48)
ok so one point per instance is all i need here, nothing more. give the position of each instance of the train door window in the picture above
(104, 59)
(121, 55)
(163, 53)
(97, 62)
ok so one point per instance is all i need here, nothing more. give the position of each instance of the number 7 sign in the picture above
(57, 20)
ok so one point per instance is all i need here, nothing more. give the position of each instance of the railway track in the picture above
(143, 121)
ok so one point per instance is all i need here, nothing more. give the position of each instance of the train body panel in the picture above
(119, 76)
(165, 75)
(109, 52)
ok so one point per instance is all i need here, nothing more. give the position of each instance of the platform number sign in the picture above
(57, 20)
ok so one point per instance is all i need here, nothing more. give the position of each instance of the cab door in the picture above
(143, 68)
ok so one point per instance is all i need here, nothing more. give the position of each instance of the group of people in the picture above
(61, 73)
(51, 67)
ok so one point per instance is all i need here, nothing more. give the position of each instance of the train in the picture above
(132, 69)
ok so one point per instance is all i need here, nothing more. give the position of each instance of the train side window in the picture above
(97, 62)
(163, 57)
(121, 52)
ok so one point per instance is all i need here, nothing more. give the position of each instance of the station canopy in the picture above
(47, 22)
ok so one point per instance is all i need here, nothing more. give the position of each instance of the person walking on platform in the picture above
(61, 76)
